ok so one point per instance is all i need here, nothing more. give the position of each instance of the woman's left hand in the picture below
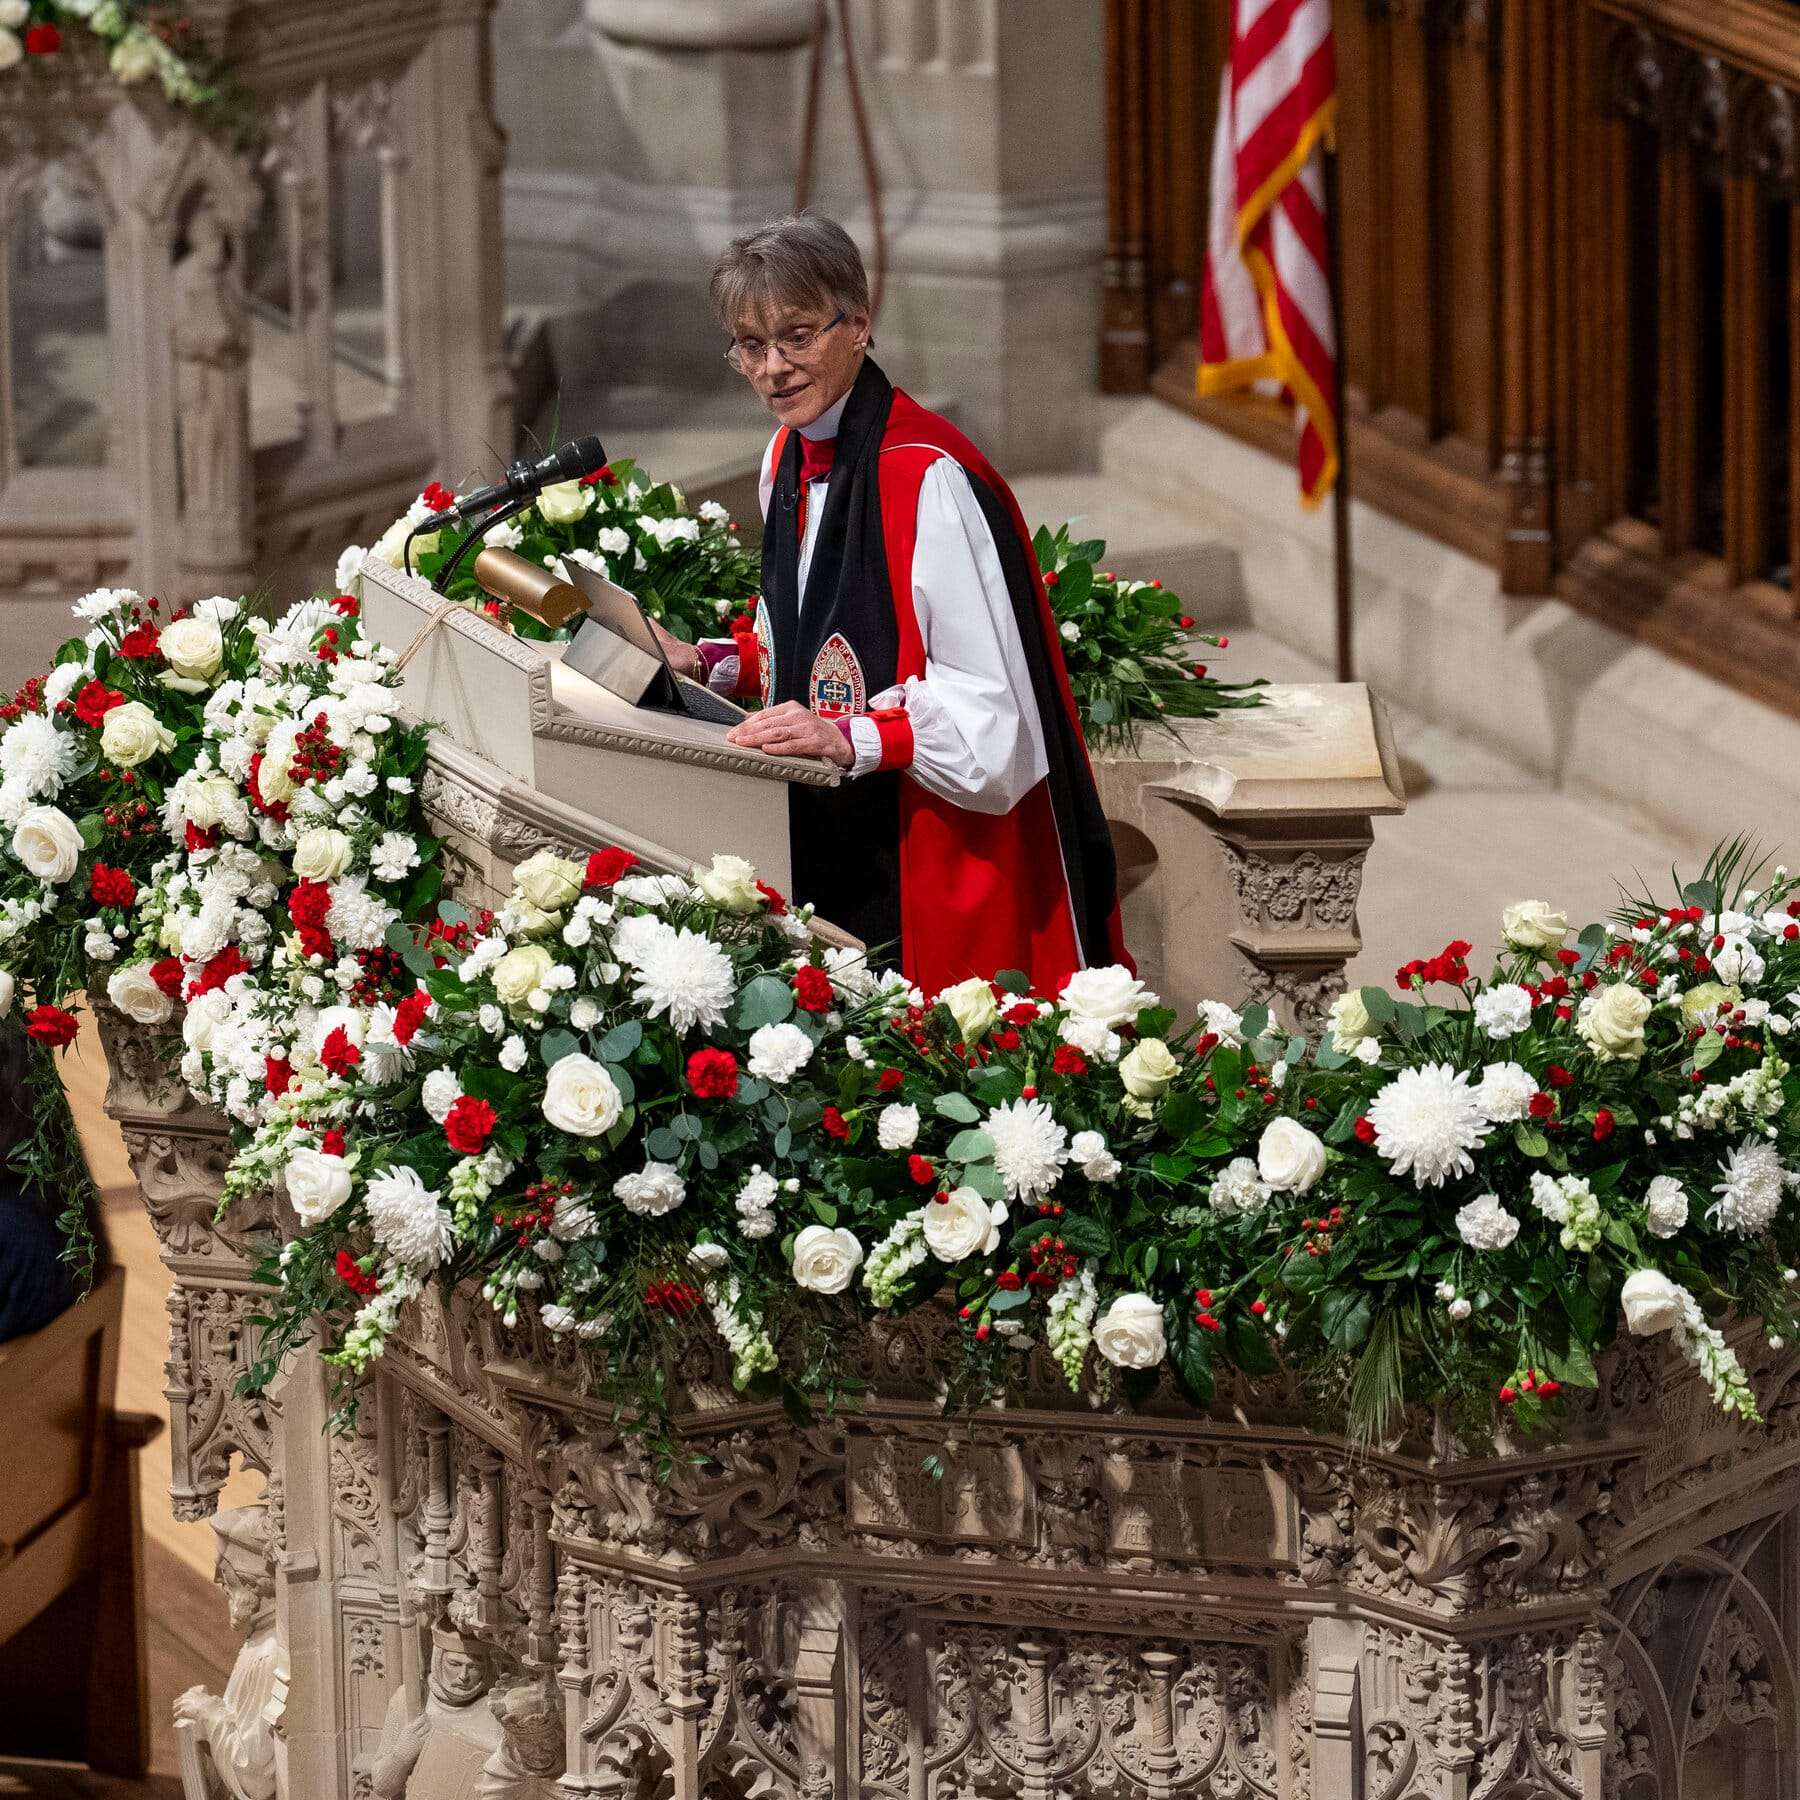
(791, 729)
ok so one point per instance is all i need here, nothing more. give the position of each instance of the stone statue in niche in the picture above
(228, 1744)
(443, 1752)
(211, 344)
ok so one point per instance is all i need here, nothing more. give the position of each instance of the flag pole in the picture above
(1340, 489)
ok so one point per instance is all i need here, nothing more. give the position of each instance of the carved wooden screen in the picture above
(1571, 286)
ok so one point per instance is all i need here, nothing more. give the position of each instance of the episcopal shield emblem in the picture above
(838, 689)
(765, 654)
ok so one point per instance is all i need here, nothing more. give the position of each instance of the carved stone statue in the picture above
(228, 1744)
(443, 1753)
(530, 1757)
(211, 343)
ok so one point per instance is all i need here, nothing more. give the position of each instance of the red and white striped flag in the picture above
(1265, 307)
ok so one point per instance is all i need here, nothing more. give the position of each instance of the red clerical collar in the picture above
(815, 458)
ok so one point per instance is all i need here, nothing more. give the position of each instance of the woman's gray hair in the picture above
(791, 262)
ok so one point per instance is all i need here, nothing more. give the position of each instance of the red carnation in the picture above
(1557, 1075)
(217, 970)
(140, 641)
(1023, 1013)
(338, 1055)
(95, 701)
(835, 1124)
(777, 905)
(200, 840)
(42, 40)
(438, 497)
(1603, 1125)
(309, 904)
(278, 1075)
(1365, 1131)
(1068, 1061)
(605, 867)
(812, 989)
(1008, 1281)
(713, 1074)
(920, 1168)
(51, 1025)
(168, 975)
(351, 1275)
(409, 1015)
(468, 1125)
(1541, 1105)
(111, 887)
(1004, 1039)
(331, 1143)
(890, 1079)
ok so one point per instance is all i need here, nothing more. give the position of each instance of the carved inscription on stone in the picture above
(978, 1495)
(1180, 1512)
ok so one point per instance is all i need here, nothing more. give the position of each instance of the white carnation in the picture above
(779, 1052)
(1238, 1188)
(1503, 1011)
(655, 1189)
(438, 1093)
(897, 1127)
(1486, 1225)
(394, 856)
(1506, 1092)
(1665, 1206)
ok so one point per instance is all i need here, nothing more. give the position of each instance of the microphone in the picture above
(523, 479)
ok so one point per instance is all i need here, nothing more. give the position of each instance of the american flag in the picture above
(1265, 306)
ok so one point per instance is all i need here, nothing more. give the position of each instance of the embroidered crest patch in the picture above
(838, 689)
(765, 654)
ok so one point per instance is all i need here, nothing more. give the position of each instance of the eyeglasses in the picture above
(747, 355)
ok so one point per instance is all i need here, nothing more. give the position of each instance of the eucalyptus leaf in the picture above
(958, 1106)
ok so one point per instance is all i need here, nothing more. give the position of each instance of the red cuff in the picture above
(895, 728)
(749, 649)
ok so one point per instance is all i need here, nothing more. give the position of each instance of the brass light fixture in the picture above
(526, 588)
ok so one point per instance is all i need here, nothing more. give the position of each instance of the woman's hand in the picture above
(682, 657)
(791, 729)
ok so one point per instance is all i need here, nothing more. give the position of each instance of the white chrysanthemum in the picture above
(438, 1093)
(1750, 1194)
(688, 977)
(779, 1052)
(1503, 1011)
(1485, 1224)
(405, 1216)
(655, 1189)
(35, 757)
(639, 936)
(1665, 1206)
(1427, 1121)
(1030, 1147)
(1506, 1091)
(1238, 1187)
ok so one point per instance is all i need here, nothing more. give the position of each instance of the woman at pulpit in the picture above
(903, 633)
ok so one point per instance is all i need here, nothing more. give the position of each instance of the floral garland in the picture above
(633, 1107)
(686, 568)
(140, 41)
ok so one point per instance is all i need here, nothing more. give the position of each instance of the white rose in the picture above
(272, 775)
(1665, 1206)
(897, 1127)
(730, 883)
(193, 647)
(1531, 925)
(321, 854)
(581, 1098)
(519, 971)
(48, 842)
(565, 502)
(6, 993)
(963, 1225)
(1289, 1158)
(317, 1185)
(209, 801)
(1349, 1022)
(1148, 1069)
(825, 1258)
(10, 49)
(137, 996)
(13, 14)
(548, 881)
(1652, 1302)
(1129, 1334)
(1112, 995)
(1611, 1022)
(1503, 1011)
(973, 1007)
(131, 734)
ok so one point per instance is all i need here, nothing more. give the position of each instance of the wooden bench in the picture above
(73, 1675)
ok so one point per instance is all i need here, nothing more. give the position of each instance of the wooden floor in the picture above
(189, 1635)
